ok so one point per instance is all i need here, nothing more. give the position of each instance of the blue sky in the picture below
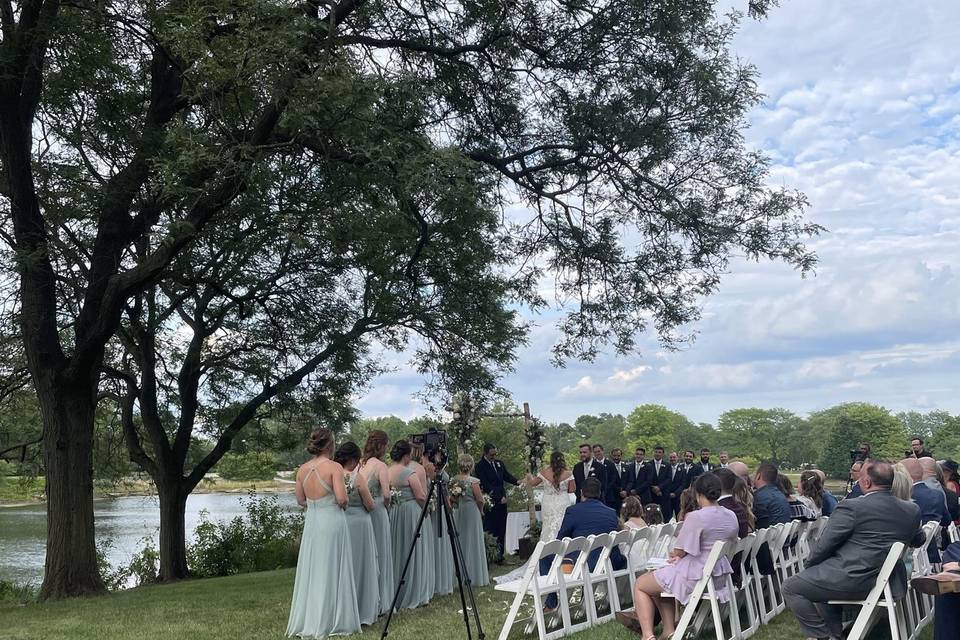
(863, 115)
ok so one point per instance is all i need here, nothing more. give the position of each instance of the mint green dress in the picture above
(381, 533)
(324, 591)
(364, 552)
(418, 584)
(444, 576)
(470, 528)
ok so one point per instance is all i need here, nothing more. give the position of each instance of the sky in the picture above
(862, 113)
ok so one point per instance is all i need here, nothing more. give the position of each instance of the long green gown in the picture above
(381, 532)
(324, 590)
(444, 576)
(418, 584)
(364, 552)
(470, 527)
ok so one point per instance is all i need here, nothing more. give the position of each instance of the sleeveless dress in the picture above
(324, 592)
(404, 514)
(444, 576)
(470, 528)
(553, 506)
(429, 542)
(364, 553)
(381, 533)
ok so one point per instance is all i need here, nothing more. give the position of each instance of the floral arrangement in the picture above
(457, 490)
(348, 481)
(466, 417)
(396, 496)
(487, 502)
(536, 445)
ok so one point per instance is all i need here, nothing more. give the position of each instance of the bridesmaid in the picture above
(378, 480)
(443, 580)
(362, 540)
(468, 512)
(426, 472)
(404, 514)
(324, 591)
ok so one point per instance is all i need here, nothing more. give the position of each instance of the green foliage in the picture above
(17, 593)
(145, 565)
(394, 427)
(268, 537)
(507, 434)
(945, 442)
(491, 546)
(767, 434)
(696, 437)
(564, 437)
(651, 425)
(606, 429)
(848, 425)
(247, 466)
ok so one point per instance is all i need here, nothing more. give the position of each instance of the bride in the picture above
(558, 486)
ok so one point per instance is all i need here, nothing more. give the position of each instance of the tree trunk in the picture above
(173, 546)
(71, 563)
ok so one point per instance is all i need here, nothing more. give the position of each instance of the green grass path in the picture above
(254, 606)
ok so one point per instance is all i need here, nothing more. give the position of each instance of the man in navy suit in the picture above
(678, 482)
(637, 482)
(659, 473)
(932, 506)
(492, 475)
(701, 467)
(589, 517)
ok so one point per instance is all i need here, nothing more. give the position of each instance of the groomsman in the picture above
(637, 480)
(701, 467)
(658, 470)
(583, 469)
(609, 478)
(724, 459)
(492, 475)
(687, 465)
(678, 482)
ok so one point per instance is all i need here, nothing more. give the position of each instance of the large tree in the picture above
(129, 129)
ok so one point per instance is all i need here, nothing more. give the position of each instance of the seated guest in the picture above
(728, 481)
(701, 529)
(829, 500)
(770, 506)
(688, 503)
(946, 588)
(743, 495)
(902, 483)
(742, 471)
(856, 470)
(589, 517)
(632, 517)
(811, 492)
(848, 555)
(933, 506)
(798, 509)
(652, 514)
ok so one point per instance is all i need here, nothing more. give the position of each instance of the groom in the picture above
(492, 475)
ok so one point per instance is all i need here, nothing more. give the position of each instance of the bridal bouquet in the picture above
(348, 481)
(456, 491)
(487, 502)
(396, 497)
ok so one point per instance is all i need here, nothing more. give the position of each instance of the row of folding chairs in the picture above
(586, 597)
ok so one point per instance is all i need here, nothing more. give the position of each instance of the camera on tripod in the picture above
(860, 454)
(434, 442)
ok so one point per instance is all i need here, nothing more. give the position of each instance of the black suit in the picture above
(492, 477)
(698, 470)
(661, 480)
(579, 474)
(637, 481)
(677, 484)
(610, 481)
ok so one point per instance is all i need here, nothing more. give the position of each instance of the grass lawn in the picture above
(254, 606)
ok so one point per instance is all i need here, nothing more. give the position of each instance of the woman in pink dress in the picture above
(701, 529)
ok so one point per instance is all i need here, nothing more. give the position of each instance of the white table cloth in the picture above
(517, 524)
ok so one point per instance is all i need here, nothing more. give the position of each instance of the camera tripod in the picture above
(463, 579)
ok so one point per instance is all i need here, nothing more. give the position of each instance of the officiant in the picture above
(493, 475)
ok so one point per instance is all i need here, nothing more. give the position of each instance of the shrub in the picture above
(268, 537)
(492, 548)
(17, 592)
(247, 466)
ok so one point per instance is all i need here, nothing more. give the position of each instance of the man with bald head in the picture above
(848, 554)
(741, 470)
(933, 505)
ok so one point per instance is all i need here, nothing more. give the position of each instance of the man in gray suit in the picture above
(847, 558)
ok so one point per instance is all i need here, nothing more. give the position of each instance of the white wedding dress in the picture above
(553, 505)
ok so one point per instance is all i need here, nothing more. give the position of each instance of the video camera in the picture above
(860, 454)
(434, 442)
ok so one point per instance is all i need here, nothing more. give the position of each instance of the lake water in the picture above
(125, 521)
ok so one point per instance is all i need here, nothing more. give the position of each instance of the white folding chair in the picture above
(537, 587)
(705, 592)
(745, 597)
(769, 599)
(627, 541)
(953, 532)
(578, 619)
(879, 596)
(600, 591)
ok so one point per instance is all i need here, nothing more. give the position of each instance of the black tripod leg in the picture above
(459, 566)
(406, 565)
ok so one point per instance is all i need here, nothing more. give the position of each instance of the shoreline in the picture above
(268, 486)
